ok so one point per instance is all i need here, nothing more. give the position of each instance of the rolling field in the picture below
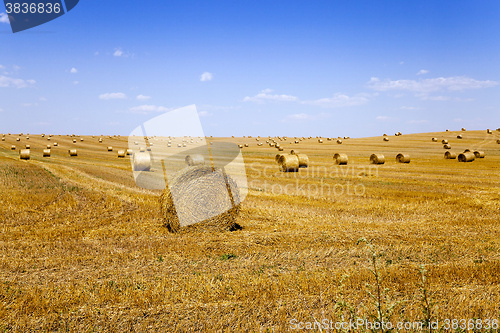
(84, 249)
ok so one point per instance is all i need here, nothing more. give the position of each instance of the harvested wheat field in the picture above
(84, 249)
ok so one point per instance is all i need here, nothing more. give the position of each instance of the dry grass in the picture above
(84, 249)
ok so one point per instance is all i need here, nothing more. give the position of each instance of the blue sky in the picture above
(329, 68)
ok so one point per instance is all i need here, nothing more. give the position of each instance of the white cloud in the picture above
(435, 98)
(455, 83)
(118, 52)
(96, 53)
(42, 99)
(409, 108)
(4, 18)
(2, 67)
(265, 96)
(76, 82)
(16, 67)
(401, 62)
(29, 104)
(144, 109)
(305, 116)
(112, 96)
(17, 83)
(73, 70)
(204, 114)
(206, 76)
(339, 100)
(1, 110)
(143, 98)
(383, 118)
(423, 71)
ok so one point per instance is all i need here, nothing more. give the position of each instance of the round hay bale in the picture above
(459, 136)
(136, 143)
(129, 151)
(110, 148)
(277, 157)
(142, 149)
(339, 141)
(447, 147)
(24, 154)
(28, 147)
(296, 141)
(46, 153)
(386, 139)
(463, 129)
(195, 159)
(240, 146)
(3, 139)
(72, 152)
(281, 148)
(49, 146)
(179, 145)
(259, 144)
(289, 163)
(121, 153)
(294, 152)
(403, 158)
(200, 191)
(479, 154)
(303, 160)
(377, 159)
(55, 144)
(74, 140)
(489, 131)
(444, 142)
(12, 147)
(320, 141)
(48, 138)
(81, 139)
(498, 142)
(450, 156)
(466, 157)
(467, 150)
(447, 130)
(246, 144)
(169, 145)
(184, 145)
(18, 139)
(142, 161)
(148, 148)
(27, 138)
(340, 159)
(384, 134)
(434, 139)
(100, 140)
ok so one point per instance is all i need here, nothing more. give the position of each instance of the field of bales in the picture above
(84, 249)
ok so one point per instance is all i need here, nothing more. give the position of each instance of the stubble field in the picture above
(84, 249)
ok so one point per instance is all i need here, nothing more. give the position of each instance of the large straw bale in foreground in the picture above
(377, 159)
(201, 191)
(340, 159)
(289, 163)
(403, 158)
(466, 157)
(450, 156)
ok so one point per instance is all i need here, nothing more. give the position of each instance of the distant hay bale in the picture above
(289, 163)
(28, 147)
(48, 138)
(259, 144)
(110, 148)
(463, 129)
(446, 147)
(179, 145)
(296, 141)
(498, 142)
(434, 139)
(136, 143)
(384, 134)
(447, 130)
(256, 139)
(377, 159)
(467, 150)
(100, 140)
(320, 141)
(195, 159)
(303, 160)
(403, 158)
(18, 139)
(184, 145)
(74, 140)
(142, 162)
(246, 144)
(169, 145)
(444, 142)
(49, 146)
(121, 153)
(294, 152)
(340, 159)
(46, 153)
(24, 154)
(489, 131)
(3, 139)
(281, 148)
(339, 141)
(240, 146)
(12, 147)
(277, 157)
(479, 154)
(450, 156)
(81, 139)
(72, 152)
(201, 194)
(459, 136)
(129, 151)
(148, 148)
(55, 144)
(466, 157)
(27, 138)
(386, 139)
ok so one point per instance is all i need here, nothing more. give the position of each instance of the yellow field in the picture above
(84, 249)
